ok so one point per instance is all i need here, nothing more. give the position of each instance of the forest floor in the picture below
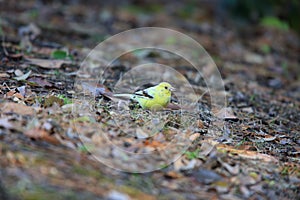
(50, 151)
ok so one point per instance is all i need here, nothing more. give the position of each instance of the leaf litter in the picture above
(256, 156)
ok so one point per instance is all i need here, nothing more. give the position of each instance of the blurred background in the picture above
(260, 33)
(91, 20)
(255, 45)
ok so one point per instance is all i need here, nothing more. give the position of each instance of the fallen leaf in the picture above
(253, 58)
(59, 54)
(257, 188)
(115, 195)
(16, 108)
(39, 82)
(225, 113)
(194, 136)
(200, 124)
(10, 93)
(18, 95)
(22, 90)
(37, 133)
(248, 109)
(49, 101)
(234, 170)
(269, 138)
(141, 134)
(247, 154)
(4, 75)
(18, 72)
(23, 77)
(221, 186)
(182, 164)
(47, 126)
(206, 148)
(247, 180)
(229, 196)
(154, 144)
(206, 176)
(31, 31)
(5, 123)
(173, 175)
(285, 141)
(15, 57)
(173, 106)
(97, 90)
(46, 63)
(245, 191)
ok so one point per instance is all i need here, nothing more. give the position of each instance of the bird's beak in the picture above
(172, 89)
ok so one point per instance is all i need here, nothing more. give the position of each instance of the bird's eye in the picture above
(166, 87)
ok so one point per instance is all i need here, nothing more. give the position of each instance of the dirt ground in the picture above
(54, 127)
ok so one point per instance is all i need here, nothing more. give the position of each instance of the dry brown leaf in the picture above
(154, 144)
(234, 170)
(15, 57)
(184, 164)
(17, 108)
(173, 106)
(194, 136)
(51, 100)
(269, 138)
(4, 75)
(46, 63)
(200, 124)
(246, 147)
(18, 95)
(225, 113)
(242, 153)
(173, 175)
(206, 148)
(10, 93)
(247, 154)
(97, 89)
(40, 81)
(37, 133)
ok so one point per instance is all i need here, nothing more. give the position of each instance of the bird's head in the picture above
(166, 87)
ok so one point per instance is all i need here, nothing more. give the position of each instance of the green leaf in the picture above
(192, 154)
(274, 22)
(266, 49)
(65, 99)
(59, 54)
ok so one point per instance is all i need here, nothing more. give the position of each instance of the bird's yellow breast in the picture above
(154, 98)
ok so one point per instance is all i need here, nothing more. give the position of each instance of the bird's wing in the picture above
(147, 93)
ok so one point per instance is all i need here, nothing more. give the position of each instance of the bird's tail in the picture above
(123, 96)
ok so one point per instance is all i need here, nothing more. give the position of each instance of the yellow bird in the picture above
(153, 98)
